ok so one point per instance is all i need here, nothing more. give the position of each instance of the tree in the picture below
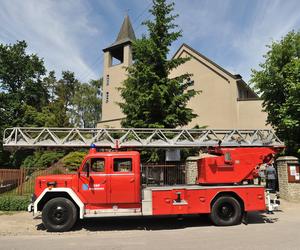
(66, 87)
(21, 74)
(22, 91)
(278, 82)
(61, 93)
(86, 104)
(51, 84)
(151, 98)
(29, 98)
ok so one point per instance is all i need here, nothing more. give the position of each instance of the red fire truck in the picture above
(108, 184)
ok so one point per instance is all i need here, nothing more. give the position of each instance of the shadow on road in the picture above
(157, 223)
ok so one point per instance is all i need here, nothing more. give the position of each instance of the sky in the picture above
(70, 34)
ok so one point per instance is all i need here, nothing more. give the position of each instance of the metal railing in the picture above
(160, 175)
(137, 137)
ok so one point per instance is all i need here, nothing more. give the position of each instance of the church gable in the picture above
(223, 73)
(244, 91)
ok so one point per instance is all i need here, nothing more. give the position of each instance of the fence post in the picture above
(23, 180)
(19, 182)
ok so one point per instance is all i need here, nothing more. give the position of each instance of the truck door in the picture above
(122, 181)
(95, 187)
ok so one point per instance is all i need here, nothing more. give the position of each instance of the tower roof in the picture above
(126, 34)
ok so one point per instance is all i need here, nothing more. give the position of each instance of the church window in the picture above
(107, 80)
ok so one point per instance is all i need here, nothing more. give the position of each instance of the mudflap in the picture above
(245, 218)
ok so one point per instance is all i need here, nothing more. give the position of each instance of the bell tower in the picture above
(117, 57)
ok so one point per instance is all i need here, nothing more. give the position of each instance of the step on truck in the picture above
(108, 184)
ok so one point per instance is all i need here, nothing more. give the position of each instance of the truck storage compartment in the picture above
(197, 199)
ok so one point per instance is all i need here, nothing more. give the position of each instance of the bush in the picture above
(73, 160)
(48, 158)
(14, 203)
(42, 159)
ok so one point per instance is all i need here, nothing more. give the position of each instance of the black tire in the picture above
(226, 211)
(59, 215)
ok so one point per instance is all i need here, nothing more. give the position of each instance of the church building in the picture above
(225, 101)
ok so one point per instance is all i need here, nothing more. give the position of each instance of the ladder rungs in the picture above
(137, 137)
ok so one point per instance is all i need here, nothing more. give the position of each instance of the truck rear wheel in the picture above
(59, 215)
(226, 211)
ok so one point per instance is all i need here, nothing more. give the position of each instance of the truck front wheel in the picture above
(59, 215)
(226, 211)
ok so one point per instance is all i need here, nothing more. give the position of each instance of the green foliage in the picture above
(40, 159)
(73, 160)
(278, 82)
(20, 74)
(152, 99)
(29, 97)
(14, 203)
(86, 104)
(17, 157)
(22, 91)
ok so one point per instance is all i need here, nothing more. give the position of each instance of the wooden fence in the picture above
(10, 179)
(21, 181)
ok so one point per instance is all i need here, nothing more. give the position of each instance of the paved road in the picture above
(278, 231)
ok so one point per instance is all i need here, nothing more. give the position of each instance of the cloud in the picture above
(272, 21)
(235, 33)
(71, 34)
(55, 30)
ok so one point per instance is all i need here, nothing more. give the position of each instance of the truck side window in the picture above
(122, 165)
(98, 165)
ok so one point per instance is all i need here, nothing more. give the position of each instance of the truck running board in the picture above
(137, 137)
(93, 213)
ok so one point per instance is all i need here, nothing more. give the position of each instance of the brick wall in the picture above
(288, 191)
(191, 169)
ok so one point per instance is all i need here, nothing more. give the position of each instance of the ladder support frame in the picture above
(30, 137)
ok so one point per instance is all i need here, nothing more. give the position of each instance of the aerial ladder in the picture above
(120, 138)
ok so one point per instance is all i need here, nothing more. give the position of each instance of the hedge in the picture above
(14, 203)
(73, 160)
(42, 159)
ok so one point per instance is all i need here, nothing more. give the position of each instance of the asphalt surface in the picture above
(278, 231)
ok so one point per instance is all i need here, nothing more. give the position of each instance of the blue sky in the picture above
(70, 34)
